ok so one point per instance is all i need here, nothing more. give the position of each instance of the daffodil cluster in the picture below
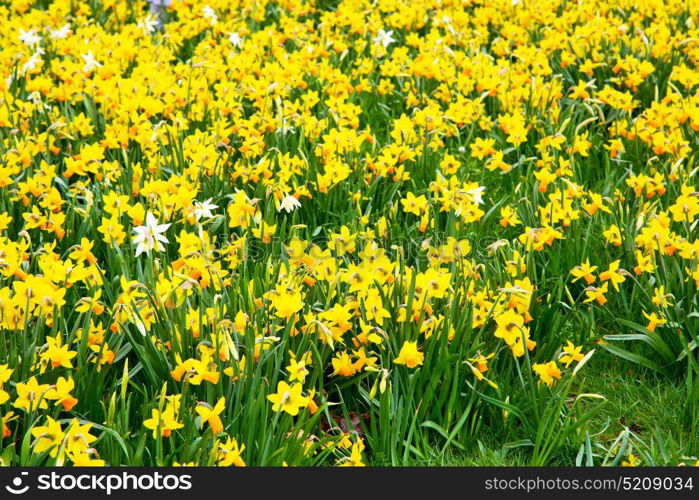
(305, 233)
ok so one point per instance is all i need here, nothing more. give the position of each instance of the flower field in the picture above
(317, 232)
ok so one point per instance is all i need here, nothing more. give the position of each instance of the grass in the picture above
(487, 453)
(640, 401)
(648, 405)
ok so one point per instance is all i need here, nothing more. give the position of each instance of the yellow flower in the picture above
(78, 437)
(60, 392)
(614, 274)
(31, 395)
(297, 368)
(211, 415)
(230, 453)
(597, 294)
(57, 354)
(49, 437)
(510, 327)
(286, 305)
(343, 365)
(85, 459)
(112, 231)
(288, 398)
(547, 372)
(585, 271)
(355, 458)
(409, 355)
(653, 321)
(264, 232)
(414, 204)
(162, 423)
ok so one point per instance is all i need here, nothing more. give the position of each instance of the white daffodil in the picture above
(90, 62)
(235, 40)
(33, 61)
(384, 38)
(289, 203)
(209, 14)
(29, 37)
(148, 24)
(203, 209)
(286, 129)
(150, 236)
(60, 33)
(476, 194)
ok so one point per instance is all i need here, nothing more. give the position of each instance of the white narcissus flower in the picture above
(33, 61)
(289, 203)
(209, 14)
(476, 194)
(29, 37)
(286, 129)
(148, 24)
(90, 62)
(150, 236)
(203, 209)
(384, 38)
(61, 33)
(235, 40)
